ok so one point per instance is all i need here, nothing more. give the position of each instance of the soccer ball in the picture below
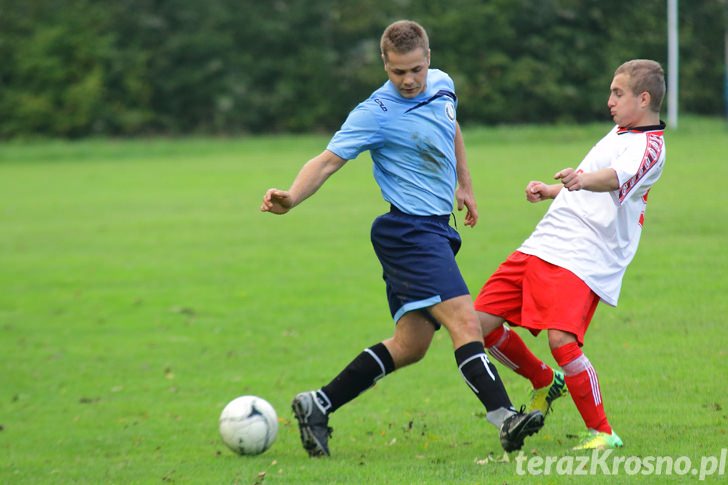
(248, 425)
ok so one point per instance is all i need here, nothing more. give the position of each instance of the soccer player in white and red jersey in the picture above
(579, 251)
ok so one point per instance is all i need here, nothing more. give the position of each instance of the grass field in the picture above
(141, 290)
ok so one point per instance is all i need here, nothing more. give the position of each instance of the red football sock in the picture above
(507, 347)
(583, 384)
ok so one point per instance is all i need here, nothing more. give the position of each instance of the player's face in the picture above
(408, 72)
(627, 109)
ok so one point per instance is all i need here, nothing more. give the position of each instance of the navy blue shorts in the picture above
(418, 259)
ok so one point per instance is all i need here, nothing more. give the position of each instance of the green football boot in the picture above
(596, 440)
(543, 397)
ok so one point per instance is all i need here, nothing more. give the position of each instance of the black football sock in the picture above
(482, 376)
(361, 374)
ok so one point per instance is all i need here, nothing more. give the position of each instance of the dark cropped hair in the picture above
(404, 36)
(645, 75)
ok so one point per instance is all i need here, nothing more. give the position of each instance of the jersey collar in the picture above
(641, 129)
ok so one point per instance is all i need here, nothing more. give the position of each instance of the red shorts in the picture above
(531, 293)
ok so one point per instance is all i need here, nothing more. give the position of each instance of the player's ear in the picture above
(428, 57)
(645, 99)
(384, 60)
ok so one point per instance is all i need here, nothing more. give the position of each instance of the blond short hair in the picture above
(645, 75)
(404, 36)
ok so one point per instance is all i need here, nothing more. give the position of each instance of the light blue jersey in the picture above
(411, 142)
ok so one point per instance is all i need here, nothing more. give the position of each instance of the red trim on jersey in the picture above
(642, 214)
(655, 142)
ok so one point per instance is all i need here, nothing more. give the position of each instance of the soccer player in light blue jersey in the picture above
(410, 128)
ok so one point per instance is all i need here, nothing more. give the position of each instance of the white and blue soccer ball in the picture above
(248, 425)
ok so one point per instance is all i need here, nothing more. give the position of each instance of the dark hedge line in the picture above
(73, 68)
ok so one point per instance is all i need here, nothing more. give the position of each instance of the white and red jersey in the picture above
(595, 234)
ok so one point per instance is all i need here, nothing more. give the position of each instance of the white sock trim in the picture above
(576, 366)
(497, 417)
(322, 401)
(378, 361)
(500, 357)
(484, 359)
(582, 364)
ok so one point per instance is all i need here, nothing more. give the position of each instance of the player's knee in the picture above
(406, 352)
(489, 323)
(466, 319)
(416, 355)
(475, 331)
(558, 338)
(410, 356)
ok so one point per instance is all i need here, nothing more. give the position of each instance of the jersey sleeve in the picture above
(442, 82)
(635, 165)
(360, 132)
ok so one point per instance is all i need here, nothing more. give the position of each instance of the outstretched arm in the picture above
(537, 191)
(464, 194)
(312, 176)
(604, 180)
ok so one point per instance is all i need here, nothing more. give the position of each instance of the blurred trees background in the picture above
(73, 68)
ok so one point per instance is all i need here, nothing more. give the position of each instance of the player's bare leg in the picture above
(412, 337)
(458, 316)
